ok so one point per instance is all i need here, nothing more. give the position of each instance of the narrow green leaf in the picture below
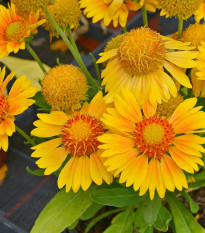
(124, 224)
(163, 219)
(193, 206)
(62, 211)
(151, 209)
(118, 197)
(91, 211)
(41, 102)
(197, 184)
(183, 219)
(37, 172)
(139, 221)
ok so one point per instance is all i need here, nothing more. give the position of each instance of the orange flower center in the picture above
(4, 108)
(79, 134)
(141, 51)
(16, 31)
(153, 136)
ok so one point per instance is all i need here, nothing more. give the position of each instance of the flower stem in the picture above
(72, 40)
(73, 50)
(96, 67)
(144, 14)
(125, 29)
(25, 135)
(35, 56)
(180, 28)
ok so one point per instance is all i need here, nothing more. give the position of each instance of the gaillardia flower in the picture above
(30, 5)
(64, 87)
(198, 73)
(109, 10)
(150, 152)
(65, 12)
(179, 8)
(195, 34)
(15, 103)
(14, 29)
(139, 62)
(200, 13)
(76, 141)
(151, 5)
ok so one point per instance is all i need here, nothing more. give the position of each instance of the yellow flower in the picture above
(200, 13)
(14, 29)
(179, 8)
(64, 87)
(149, 151)
(113, 43)
(151, 5)
(30, 5)
(198, 74)
(167, 108)
(77, 138)
(109, 10)
(194, 34)
(65, 12)
(15, 103)
(139, 62)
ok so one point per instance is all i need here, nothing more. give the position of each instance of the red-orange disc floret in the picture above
(4, 108)
(153, 136)
(79, 134)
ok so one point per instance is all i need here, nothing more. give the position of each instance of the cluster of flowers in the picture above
(142, 130)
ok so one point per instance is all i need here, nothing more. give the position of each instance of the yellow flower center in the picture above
(16, 31)
(167, 108)
(141, 51)
(4, 108)
(179, 8)
(30, 5)
(153, 133)
(64, 87)
(153, 136)
(194, 34)
(79, 134)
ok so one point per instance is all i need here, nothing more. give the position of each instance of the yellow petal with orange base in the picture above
(53, 118)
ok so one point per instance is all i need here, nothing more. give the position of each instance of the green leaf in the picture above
(73, 225)
(118, 197)
(25, 67)
(197, 184)
(123, 224)
(163, 219)
(37, 172)
(149, 230)
(139, 221)
(41, 102)
(193, 206)
(62, 211)
(91, 211)
(151, 209)
(183, 219)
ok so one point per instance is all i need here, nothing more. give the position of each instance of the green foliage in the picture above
(37, 172)
(124, 224)
(183, 219)
(118, 197)
(163, 219)
(139, 221)
(151, 209)
(62, 211)
(41, 102)
(91, 211)
(193, 206)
